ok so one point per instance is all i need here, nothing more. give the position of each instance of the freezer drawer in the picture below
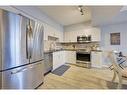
(27, 77)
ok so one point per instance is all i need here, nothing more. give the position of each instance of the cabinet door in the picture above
(71, 57)
(58, 59)
(47, 31)
(95, 33)
(96, 59)
(50, 31)
(60, 35)
(70, 36)
(66, 37)
(73, 36)
(62, 57)
(67, 56)
(55, 60)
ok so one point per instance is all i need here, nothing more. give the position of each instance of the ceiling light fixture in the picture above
(81, 9)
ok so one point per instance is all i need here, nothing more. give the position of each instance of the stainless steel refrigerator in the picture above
(21, 52)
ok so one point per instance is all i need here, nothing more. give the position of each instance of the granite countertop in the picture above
(97, 50)
(71, 49)
(51, 51)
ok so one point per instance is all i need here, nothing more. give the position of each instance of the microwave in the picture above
(84, 38)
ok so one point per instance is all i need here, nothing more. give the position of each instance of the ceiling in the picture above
(67, 15)
(98, 15)
(103, 15)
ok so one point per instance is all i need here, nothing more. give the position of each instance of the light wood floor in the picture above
(80, 78)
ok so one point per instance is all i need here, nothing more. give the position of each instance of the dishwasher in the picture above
(48, 62)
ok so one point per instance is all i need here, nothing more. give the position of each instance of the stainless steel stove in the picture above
(83, 58)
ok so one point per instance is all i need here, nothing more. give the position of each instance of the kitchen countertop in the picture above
(97, 50)
(51, 51)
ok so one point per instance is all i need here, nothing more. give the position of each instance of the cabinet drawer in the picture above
(26, 77)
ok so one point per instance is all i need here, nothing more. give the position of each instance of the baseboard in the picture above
(47, 72)
(106, 66)
(39, 85)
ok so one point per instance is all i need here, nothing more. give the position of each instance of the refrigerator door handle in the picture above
(17, 71)
(29, 42)
(27, 52)
(22, 69)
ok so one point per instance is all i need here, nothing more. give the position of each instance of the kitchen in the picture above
(74, 41)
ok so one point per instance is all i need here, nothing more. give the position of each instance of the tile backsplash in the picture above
(51, 45)
(88, 46)
(46, 45)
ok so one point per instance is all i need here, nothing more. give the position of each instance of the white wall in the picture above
(79, 26)
(103, 15)
(35, 13)
(105, 39)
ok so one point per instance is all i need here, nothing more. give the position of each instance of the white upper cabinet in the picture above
(50, 31)
(71, 36)
(96, 34)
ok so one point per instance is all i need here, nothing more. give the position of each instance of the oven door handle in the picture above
(83, 52)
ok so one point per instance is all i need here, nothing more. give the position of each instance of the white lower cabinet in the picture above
(62, 57)
(58, 59)
(70, 57)
(96, 59)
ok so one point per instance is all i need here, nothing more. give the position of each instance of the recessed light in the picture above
(80, 8)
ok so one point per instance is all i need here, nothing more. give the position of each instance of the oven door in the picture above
(83, 57)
